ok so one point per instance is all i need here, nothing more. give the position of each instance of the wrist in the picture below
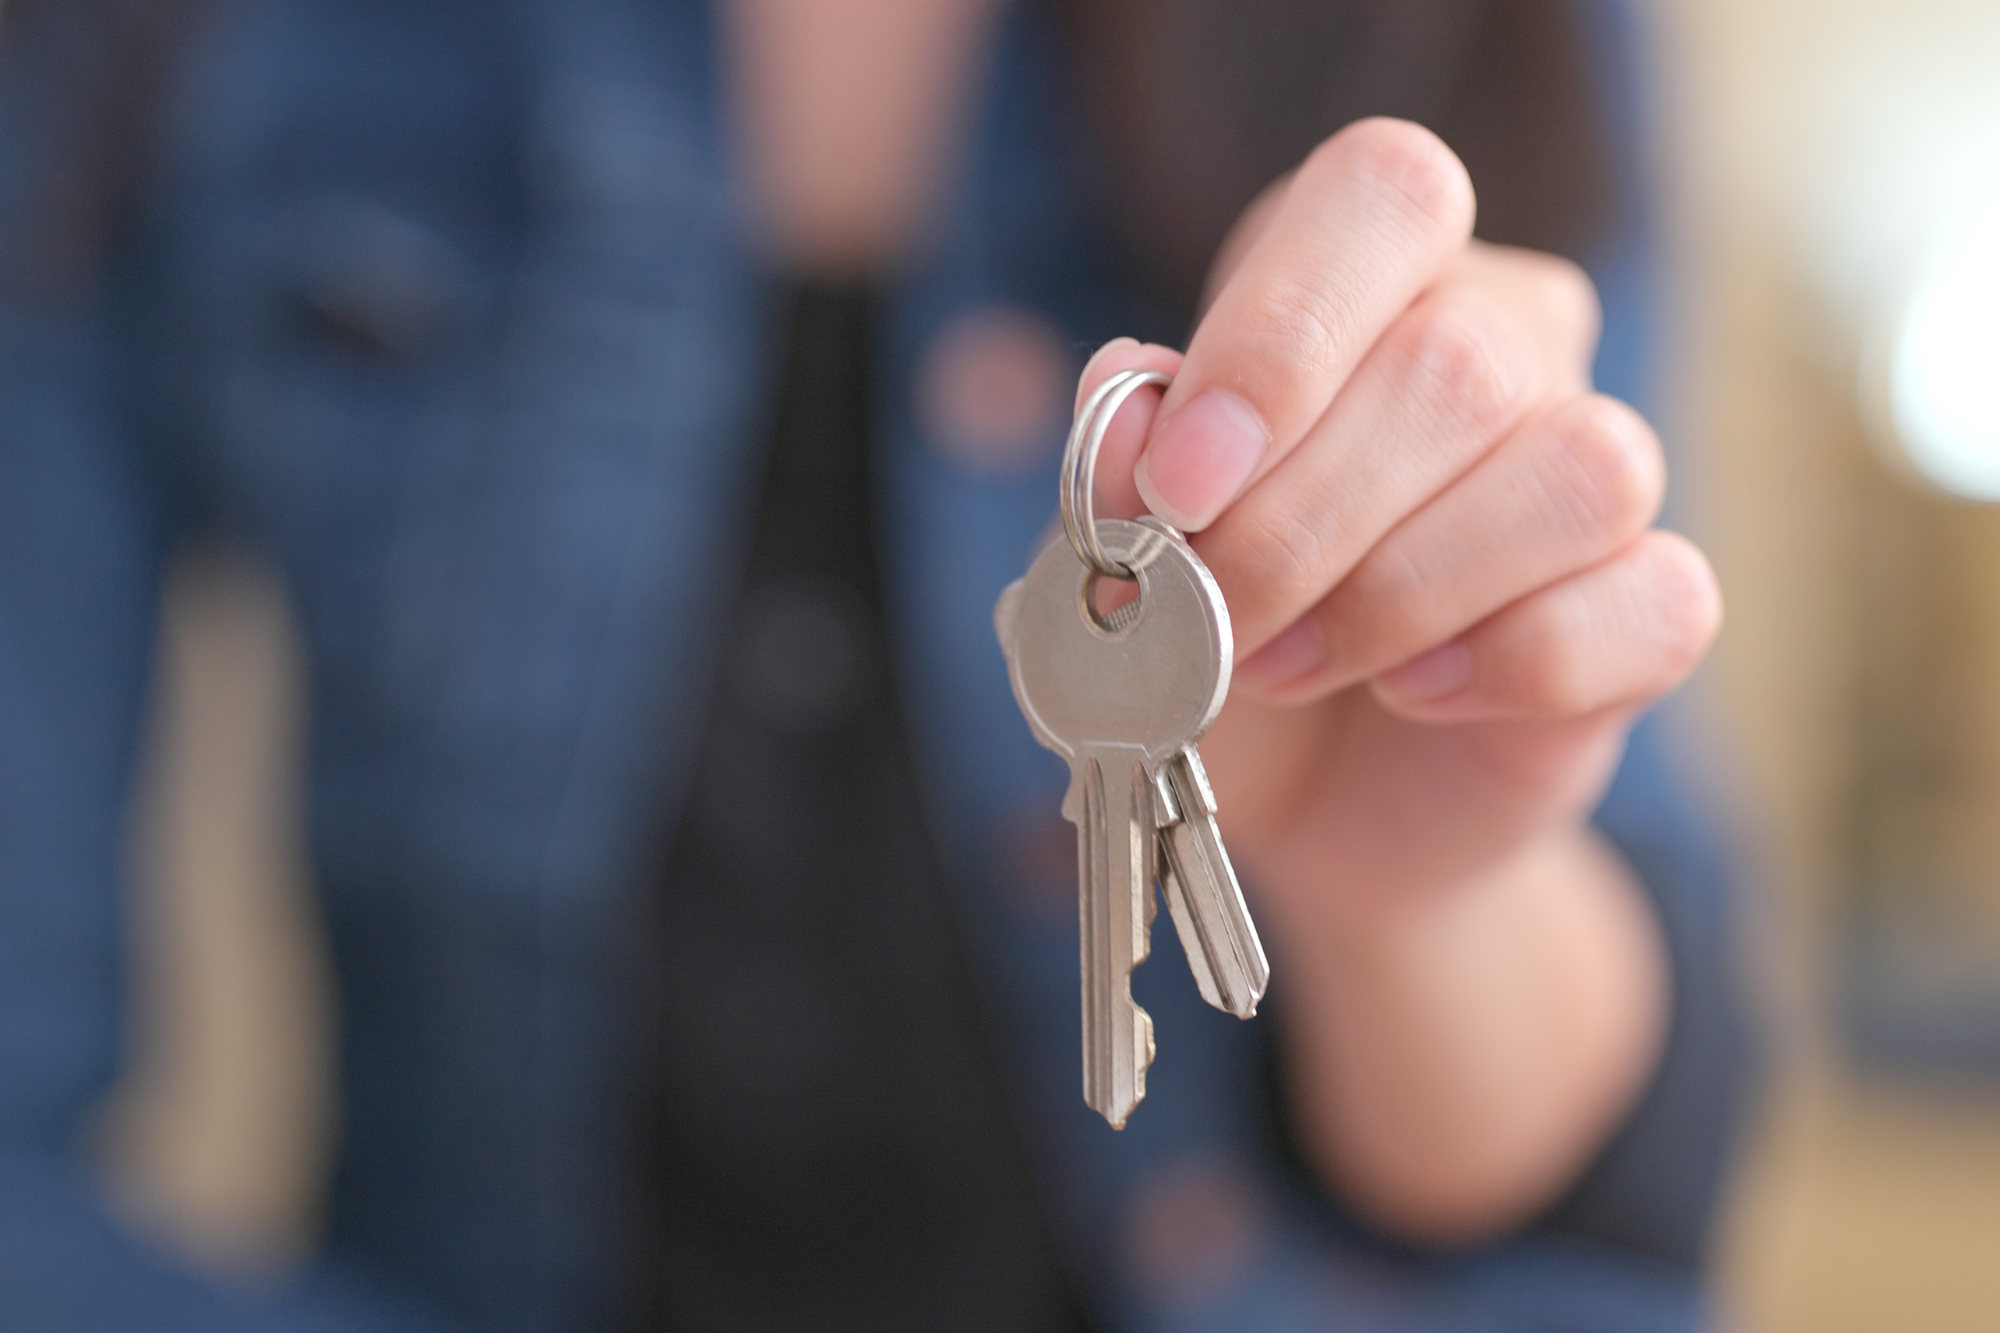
(1455, 1058)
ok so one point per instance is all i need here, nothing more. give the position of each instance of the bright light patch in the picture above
(1944, 364)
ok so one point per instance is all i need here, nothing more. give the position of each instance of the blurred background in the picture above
(1831, 170)
(1831, 176)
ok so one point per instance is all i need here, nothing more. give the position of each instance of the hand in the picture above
(1434, 541)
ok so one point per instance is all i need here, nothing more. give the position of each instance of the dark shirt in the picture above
(834, 1150)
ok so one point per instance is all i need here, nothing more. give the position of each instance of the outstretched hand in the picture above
(1449, 605)
(1434, 538)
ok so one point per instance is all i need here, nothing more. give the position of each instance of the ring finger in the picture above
(1570, 487)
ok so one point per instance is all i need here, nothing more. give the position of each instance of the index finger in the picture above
(1365, 225)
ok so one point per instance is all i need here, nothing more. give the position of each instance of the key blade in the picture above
(1116, 856)
(1204, 898)
(1167, 809)
(1191, 942)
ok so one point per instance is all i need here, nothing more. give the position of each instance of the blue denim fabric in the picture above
(446, 309)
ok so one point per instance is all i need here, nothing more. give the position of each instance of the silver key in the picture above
(1110, 802)
(1203, 897)
(1124, 697)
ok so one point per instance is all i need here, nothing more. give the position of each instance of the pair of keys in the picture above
(1124, 696)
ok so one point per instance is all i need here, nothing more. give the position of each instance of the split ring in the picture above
(1086, 437)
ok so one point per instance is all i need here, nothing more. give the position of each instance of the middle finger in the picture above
(1455, 373)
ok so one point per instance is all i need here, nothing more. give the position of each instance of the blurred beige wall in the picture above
(1856, 687)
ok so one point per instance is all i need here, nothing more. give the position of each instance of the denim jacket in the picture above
(447, 310)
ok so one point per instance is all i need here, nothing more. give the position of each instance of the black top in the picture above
(833, 1145)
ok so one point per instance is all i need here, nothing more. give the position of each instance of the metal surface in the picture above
(1124, 699)
(1203, 897)
(1079, 470)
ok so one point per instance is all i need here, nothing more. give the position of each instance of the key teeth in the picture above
(1142, 1031)
(1105, 1100)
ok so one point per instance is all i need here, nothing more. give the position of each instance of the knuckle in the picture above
(1386, 592)
(1566, 292)
(1471, 359)
(1632, 631)
(1689, 598)
(1301, 320)
(1280, 550)
(1615, 469)
(1556, 681)
(1409, 164)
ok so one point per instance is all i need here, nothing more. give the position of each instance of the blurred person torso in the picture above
(580, 381)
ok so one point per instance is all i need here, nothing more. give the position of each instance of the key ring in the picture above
(1086, 437)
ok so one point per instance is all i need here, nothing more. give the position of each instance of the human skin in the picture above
(1449, 605)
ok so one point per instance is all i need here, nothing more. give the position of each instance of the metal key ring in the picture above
(1086, 437)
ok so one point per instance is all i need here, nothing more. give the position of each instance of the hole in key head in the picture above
(1111, 604)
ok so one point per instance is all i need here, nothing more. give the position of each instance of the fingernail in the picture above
(1287, 657)
(1439, 672)
(1201, 457)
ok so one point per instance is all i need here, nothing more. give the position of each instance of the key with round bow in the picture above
(1124, 696)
